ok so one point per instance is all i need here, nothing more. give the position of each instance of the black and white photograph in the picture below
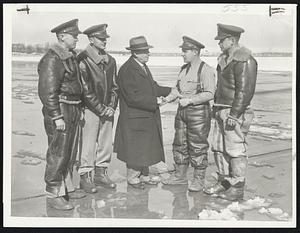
(149, 115)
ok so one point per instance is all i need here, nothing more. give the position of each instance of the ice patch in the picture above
(276, 213)
(264, 130)
(30, 161)
(23, 133)
(250, 204)
(229, 213)
(100, 203)
(282, 133)
(260, 164)
(224, 214)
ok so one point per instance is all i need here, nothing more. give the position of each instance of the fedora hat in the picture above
(138, 43)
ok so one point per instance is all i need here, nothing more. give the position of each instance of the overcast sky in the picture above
(163, 26)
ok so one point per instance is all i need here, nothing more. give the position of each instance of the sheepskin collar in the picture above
(95, 56)
(63, 53)
(241, 54)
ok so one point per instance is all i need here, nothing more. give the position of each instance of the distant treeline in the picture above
(41, 49)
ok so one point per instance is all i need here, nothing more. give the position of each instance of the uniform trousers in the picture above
(97, 142)
(62, 150)
(230, 144)
(192, 126)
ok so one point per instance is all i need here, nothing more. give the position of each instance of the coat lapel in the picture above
(140, 70)
(137, 67)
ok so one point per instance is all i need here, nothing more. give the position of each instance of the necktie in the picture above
(145, 69)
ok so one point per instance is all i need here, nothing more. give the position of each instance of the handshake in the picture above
(174, 94)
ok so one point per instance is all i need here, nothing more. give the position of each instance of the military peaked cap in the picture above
(98, 31)
(189, 43)
(225, 31)
(70, 27)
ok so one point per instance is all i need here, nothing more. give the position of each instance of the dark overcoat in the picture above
(138, 138)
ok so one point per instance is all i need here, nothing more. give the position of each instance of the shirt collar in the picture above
(196, 62)
(138, 62)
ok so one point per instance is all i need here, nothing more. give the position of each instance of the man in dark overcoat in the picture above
(138, 140)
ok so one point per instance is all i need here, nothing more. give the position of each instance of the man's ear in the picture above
(91, 39)
(60, 37)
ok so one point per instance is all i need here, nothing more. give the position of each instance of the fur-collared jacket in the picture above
(59, 80)
(236, 80)
(99, 80)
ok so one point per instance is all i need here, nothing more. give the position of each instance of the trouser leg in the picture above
(180, 146)
(90, 134)
(235, 145)
(222, 160)
(198, 127)
(104, 143)
(60, 150)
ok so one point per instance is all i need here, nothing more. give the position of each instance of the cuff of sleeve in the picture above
(232, 117)
(111, 108)
(57, 117)
(193, 101)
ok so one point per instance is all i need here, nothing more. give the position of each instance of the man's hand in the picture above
(173, 95)
(60, 124)
(185, 102)
(109, 112)
(176, 93)
(230, 123)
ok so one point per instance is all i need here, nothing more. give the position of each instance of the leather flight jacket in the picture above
(99, 80)
(59, 80)
(236, 81)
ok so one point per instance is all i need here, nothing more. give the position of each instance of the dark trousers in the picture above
(192, 126)
(62, 147)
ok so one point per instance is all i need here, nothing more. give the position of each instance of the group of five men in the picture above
(80, 94)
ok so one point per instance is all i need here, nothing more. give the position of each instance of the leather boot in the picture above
(219, 187)
(234, 193)
(101, 178)
(86, 183)
(179, 177)
(59, 203)
(197, 182)
(76, 194)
